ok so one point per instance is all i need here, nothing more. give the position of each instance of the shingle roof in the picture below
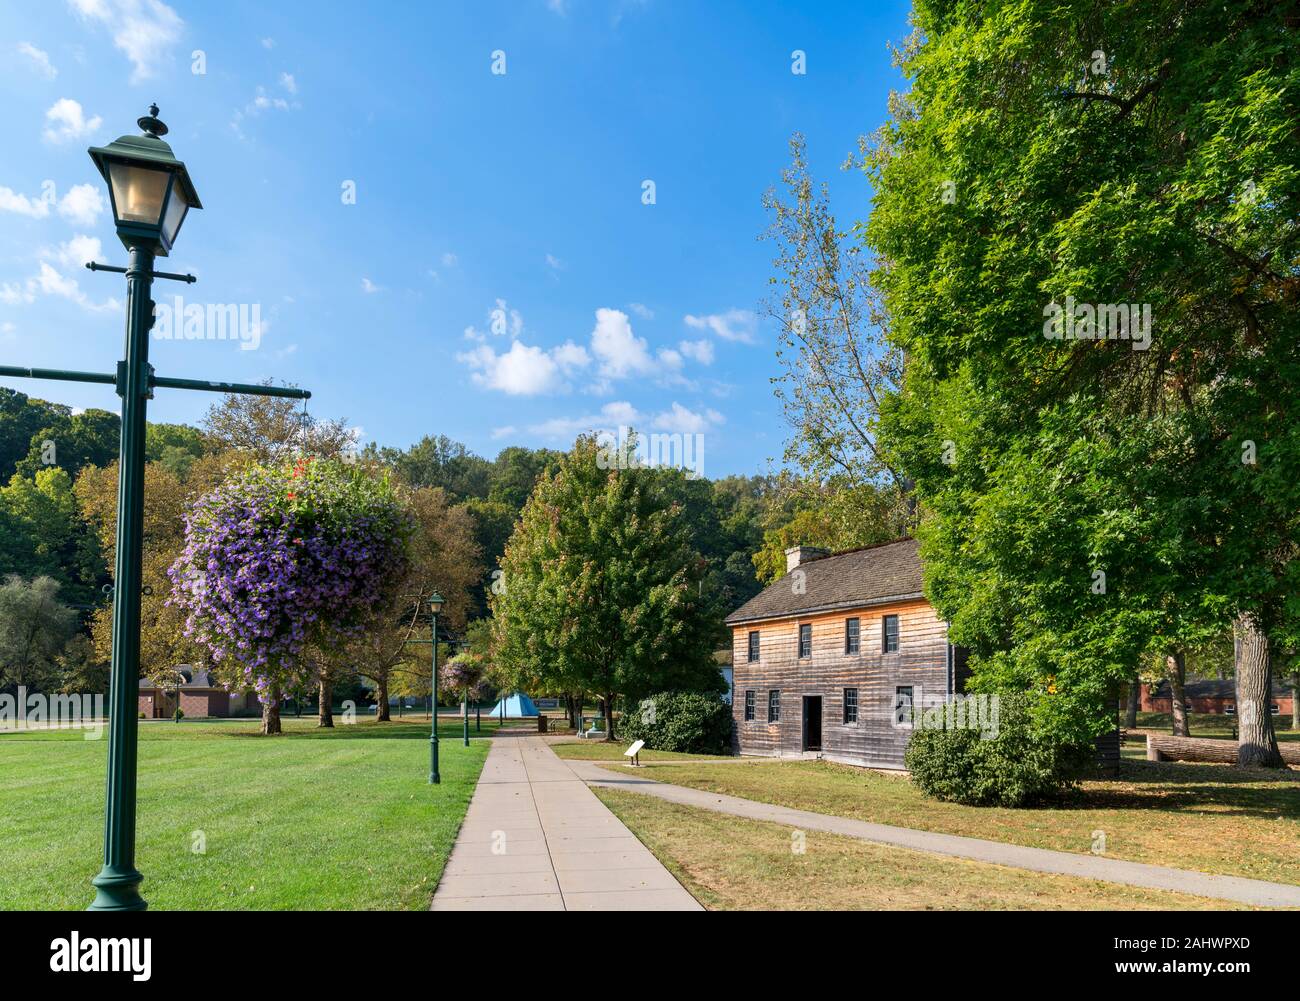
(1213, 688)
(872, 575)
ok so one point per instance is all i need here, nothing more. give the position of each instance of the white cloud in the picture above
(82, 204)
(641, 310)
(289, 83)
(684, 421)
(66, 120)
(450, 260)
(40, 59)
(733, 325)
(33, 208)
(701, 351)
(369, 287)
(620, 352)
(143, 30)
(268, 43)
(50, 281)
(77, 251)
(560, 7)
(554, 263)
(504, 432)
(524, 370)
(612, 416)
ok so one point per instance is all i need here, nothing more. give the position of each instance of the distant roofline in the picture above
(889, 599)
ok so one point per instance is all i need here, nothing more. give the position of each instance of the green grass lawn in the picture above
(731, 863)
(1212, 724)
(311, 819)
(1211, 818)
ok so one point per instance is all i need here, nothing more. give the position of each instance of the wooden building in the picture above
(829, 660)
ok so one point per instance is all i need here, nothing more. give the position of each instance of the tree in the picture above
(163, 643)
(437, 461)
(271, 429)
(839, 366)
(34, 627)
(515, 472)
(21, 417)
(1087, 497)
(47, 534)
(72, 442)
(603, 588)
(280, 558)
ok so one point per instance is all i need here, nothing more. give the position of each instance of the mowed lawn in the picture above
(311, 819)
(730, 863)
(1210, 818)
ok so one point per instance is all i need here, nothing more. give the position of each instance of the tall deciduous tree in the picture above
(1092, 496)
(34, 626)
(603, 588)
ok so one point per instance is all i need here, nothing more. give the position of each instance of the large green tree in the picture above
(603, 588)
(1092, 500)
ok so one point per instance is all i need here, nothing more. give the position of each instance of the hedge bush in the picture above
(1021, 766)
(689, 722)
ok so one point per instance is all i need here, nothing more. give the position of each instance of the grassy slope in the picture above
(308, 820)
(1211, 818)
(733, 864)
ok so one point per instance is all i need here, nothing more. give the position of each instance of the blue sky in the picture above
(515, 197)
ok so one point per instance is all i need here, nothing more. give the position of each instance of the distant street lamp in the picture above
(435, 606)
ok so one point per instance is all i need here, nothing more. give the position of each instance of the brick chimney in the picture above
(796, 556)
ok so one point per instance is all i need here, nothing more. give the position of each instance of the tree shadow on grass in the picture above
(1220, 789)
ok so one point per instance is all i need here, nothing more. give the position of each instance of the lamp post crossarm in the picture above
(187, 279)
(204, 385)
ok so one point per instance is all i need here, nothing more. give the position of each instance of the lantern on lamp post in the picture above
(435, 606)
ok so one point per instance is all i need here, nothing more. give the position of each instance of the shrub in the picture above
(689, 722)
(1022, 765)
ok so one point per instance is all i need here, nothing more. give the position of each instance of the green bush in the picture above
(689, 722)
(1021, 766)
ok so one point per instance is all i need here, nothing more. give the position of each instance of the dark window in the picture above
(889, 634)
(852, 629)
(749, 707)
(903, 705)
(850, 705)
(805, 641)
(753, 647)
(774, 706)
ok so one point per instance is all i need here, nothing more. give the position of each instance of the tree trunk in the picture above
(1257, 744)
(271, 712)
(1295, 701)
(325, 710)
(1134, 694)
(381, 701)
(1176, 668)
(609, 715)
(568, 710)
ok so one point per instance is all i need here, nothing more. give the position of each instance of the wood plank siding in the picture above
(921, 661)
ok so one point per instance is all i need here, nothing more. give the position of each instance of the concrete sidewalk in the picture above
(536, 838)
(1255, 892)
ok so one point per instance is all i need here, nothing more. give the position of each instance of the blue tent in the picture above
(517, 706)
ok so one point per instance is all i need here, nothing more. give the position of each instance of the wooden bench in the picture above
(1163, 747)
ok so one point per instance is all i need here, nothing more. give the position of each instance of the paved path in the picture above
(536, 838)
(1247, 891)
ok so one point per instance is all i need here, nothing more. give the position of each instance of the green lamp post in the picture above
(151, 193)
(435, 606)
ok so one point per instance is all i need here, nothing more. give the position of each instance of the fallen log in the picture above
(1163, 747)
